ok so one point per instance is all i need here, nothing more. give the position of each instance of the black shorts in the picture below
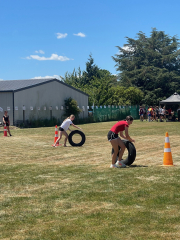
(111, 136)
(61, 129)
(7, 124)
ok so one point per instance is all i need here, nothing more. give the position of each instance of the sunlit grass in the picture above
(71, 193)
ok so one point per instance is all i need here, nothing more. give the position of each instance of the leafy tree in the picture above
(151, 64)
(71, 107)
(92, 71)
(119, 95)
(99, 88)
(79, 79)
(102, 87)
(73, 79)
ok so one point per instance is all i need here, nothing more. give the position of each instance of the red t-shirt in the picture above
(119, 127)
(169, 111)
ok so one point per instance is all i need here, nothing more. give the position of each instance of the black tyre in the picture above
(82, 140)
(131, 152)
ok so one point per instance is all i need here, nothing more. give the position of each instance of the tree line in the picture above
(148, 71)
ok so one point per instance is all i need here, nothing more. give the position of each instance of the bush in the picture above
(71, 107)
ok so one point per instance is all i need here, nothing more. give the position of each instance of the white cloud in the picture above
(128, 48)
(61, 35)
(80, 34)
(40, 51)
(1, 79)
(53, 56)
(54, 76)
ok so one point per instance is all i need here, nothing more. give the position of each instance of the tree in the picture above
(151, 64)
(71, 107)
(102, 87)
(92, 71)
(119, 95)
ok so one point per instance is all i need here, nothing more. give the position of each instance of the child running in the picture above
(64, 127)
(116, 141)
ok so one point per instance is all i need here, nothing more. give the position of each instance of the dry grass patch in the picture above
(71, 193)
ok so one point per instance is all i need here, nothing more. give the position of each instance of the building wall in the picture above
(6, 100)
(46, 95)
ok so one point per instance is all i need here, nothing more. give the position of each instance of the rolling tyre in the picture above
(131, 152)
(83, 138)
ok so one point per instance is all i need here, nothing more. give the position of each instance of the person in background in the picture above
(145, 113)
(154, 113)
(141, 113)
(6, 122)
(178, 112)
(157, 113)
(160, 114)
(164, 113)
(150, 114)
(167, 115)
(173, 116)
(169, 111)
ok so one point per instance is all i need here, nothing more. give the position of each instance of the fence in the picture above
(98, 114)
(108, 113)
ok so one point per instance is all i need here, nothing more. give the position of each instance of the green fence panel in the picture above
(116, 113)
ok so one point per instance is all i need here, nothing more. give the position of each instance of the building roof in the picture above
(17, 85)
(173, 99)
(12, 85)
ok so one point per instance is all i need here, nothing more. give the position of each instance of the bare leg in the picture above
(8, 130)
(59, 138)
(115, 144)
(121, 144)
(66, 137)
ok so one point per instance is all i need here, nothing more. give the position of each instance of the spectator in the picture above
(169, 111)
(141, 113)
(163, 113)
(167, 115)
(149, 114)
(160, 114)
(157, 113)
(145, 113)
(173, 116)
(178, 112)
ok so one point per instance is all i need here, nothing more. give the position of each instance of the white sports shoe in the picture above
(114, 166)
(120, 164)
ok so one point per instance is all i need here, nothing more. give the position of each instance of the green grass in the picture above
(71, 193)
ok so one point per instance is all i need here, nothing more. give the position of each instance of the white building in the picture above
(38, 98)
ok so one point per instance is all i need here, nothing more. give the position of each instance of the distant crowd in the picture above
(156, 114)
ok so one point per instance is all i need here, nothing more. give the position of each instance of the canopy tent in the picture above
(174, 99)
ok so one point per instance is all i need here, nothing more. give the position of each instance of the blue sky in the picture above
(41, 38)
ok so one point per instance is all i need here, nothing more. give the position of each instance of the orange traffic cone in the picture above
(56, 136)
(5, 131)
(167, 161)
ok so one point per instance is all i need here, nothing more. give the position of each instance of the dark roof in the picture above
(17, 85)
(174, 99)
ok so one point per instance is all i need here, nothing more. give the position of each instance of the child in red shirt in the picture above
(116, 141)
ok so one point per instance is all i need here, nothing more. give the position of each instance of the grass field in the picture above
(59, 193)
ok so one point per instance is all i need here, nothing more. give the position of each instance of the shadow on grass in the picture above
(132, 166)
